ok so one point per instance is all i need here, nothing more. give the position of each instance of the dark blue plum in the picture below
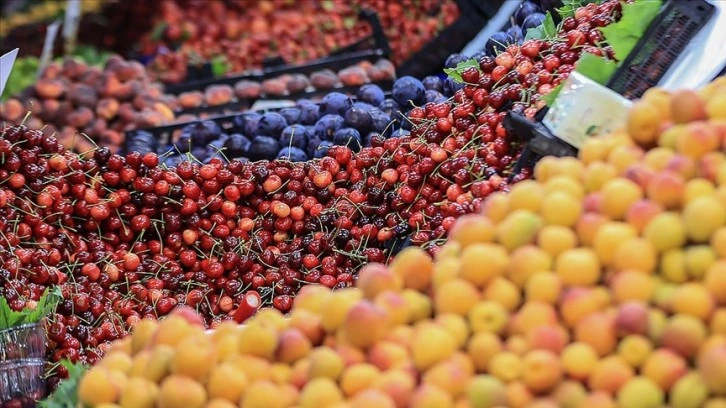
(525, 9)
(497, 43)
(408, 90)
(200, 153)
(390, 107)
(532, 21)
(322, 149)
(291, 115)
(348, 137)
(362, 105)
(381, 122)
(293, 154)
(313, 144)
(200, 133)
(451, 86)
(454, 59)
(263, 148)
(271, 124)
(479, 55)
(335, 103)
(359, 119)
(295, 136)
(309, 113)
(237, 145)
(434, 96)
(326, 126)
(515, 32)
(434, 83)
(246, 123)
(372, 94)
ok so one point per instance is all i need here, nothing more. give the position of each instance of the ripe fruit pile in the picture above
(100, 102)
(127, 238)
(601, 284)
(297, 31)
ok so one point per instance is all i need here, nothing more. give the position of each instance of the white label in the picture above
(272, 104)
(585, 108)
(47, 53)
(72, 18)
(6, 66)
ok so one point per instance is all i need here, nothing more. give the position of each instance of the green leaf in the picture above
(547, 30)
(158, 31)
(596, 68)
(549, 99)
(455, 73)
(66, 395)
(219, 66)
(625, 34)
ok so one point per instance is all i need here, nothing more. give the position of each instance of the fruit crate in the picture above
(473, 15)
(371, 48)
(22, 342)
(22, 379)
(661, 45)
(162, 134)
(241, 105)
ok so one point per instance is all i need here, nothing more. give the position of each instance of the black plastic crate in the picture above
(661, 45)
(240, 105)
(473, 15)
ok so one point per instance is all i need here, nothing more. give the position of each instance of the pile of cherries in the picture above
(126, 238)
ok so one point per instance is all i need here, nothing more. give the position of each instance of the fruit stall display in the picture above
(226, 216)
(602, 283)
(127, 238)
(73, 97)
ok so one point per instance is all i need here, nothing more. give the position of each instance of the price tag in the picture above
(272, 104)
(585, 108)
(6, 65)
(47, 53)
(72, 17)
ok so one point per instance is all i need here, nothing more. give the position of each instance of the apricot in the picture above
(430, 396)
(664, 367)
(358, 377)
(375, 278)
(519, 228)
(687, 106)
(216, 95)
(712, 367)
(640, 392)
(541, 371)
(702, 216)
(430, 345)
(320, 392)
(475, 270)
(598, 330)
(325, 362)
(481, 347)
(634, 349)
(689, 391)
(643, 123)
(578, 267)
(414, 266)
(544, 287)
(178, 391)
(486, 391)
(526, 261)
(693, 299)
(227, 382)
(456, 296)
(610, 374)
(97, 387)
(365, 324)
